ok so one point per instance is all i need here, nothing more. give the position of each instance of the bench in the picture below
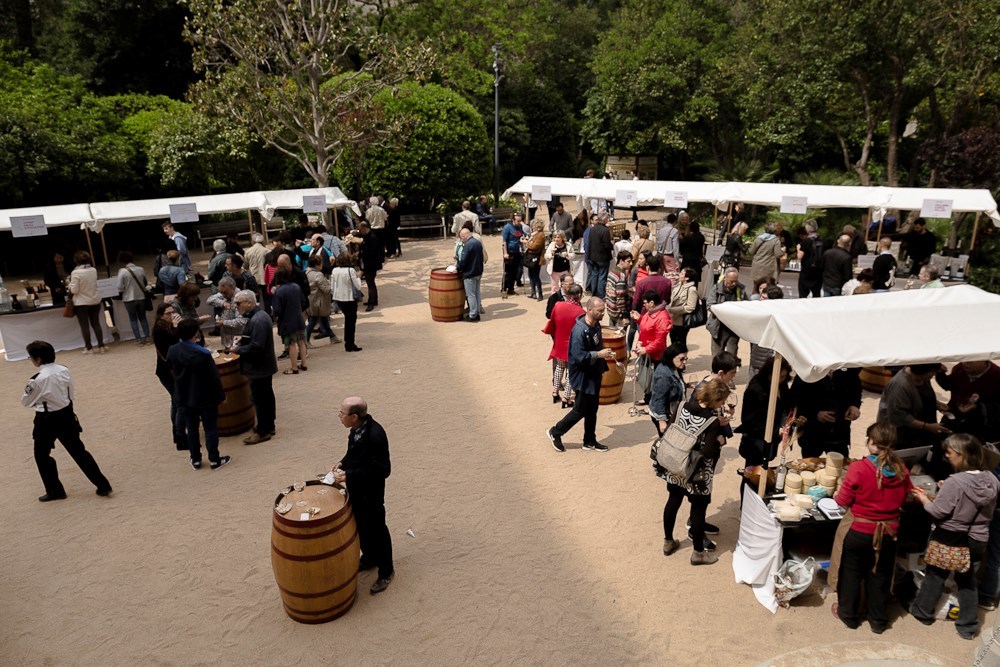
(422, 221)
(503, 215)
(220, 230)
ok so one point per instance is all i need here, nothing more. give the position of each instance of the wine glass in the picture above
(298, 485)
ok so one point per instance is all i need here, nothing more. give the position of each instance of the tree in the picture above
(443, 154)
(267, 65)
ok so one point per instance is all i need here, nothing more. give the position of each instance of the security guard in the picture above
(50, 393)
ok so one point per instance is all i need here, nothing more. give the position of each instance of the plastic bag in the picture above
(793, 578)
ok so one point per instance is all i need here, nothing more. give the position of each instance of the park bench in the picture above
(503, 216)
(422, 221)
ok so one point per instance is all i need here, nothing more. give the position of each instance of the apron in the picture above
(881, 527)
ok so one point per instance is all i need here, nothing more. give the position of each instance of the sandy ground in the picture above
(520, 555)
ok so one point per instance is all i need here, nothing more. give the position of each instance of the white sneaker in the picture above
(87, 352)
(103, 349)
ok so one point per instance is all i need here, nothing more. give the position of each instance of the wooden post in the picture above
(715, 222)
(868, 224)
(336, 223)
(250, 222)
(107, 261)
(975, 230)
(86, 231)
(772, 406)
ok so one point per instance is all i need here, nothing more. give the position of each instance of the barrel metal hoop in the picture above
(328, 554)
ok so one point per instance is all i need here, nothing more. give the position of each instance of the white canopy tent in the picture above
(96, 215)
(878, 199)
(886, 329)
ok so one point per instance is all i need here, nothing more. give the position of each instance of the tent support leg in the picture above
(336, 224)
(90, 246)
(107, 261)
(772, 406)
(868, 224)
(975, 231)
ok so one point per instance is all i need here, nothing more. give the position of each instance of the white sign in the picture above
(541, 192)
(314, 203)
(675, 199)
(28, 225)
(866, 262)
(107, 288)
(713, 253)
(936, 208)
(183, 213)
(626, 198)
(794, 205)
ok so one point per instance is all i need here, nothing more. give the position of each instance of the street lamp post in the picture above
(496, 124)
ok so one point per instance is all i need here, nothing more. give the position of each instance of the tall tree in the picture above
(297, 72)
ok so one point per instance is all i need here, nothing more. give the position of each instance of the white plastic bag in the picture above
(793, 578)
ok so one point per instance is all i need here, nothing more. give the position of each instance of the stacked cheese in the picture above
(832, 475)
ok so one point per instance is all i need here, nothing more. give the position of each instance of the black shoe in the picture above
(353, 348)
(196, 464)
(283, 355)
(879, 629)
(215, 465)
(710, 528)
(595, 447)
(181, 447)
(471, 319)
(104, 492)
(556, 441)
(321, 335)
(369, 309)
(51, 496)
(381, 584)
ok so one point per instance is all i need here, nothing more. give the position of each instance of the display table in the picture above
(19, 328)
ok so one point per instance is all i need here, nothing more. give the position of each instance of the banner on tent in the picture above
(675, 199)
(541, 192)
(28, 225)
(314, 204)
(796, 205)
(936, 208)
(183, 213)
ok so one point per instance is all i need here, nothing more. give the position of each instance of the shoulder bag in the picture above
(949, 550)
(147, 298)
(68, 310)
(675, 451)
(697, 317)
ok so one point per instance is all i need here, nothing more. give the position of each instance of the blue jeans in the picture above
(472, 295)
(832, 291)
(597, 279)
(321, 321)
(989, 590)
(924, 604)
(137, 318)
(208, 418)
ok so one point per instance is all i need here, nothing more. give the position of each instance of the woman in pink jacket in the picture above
(654, 327)
(560, 325)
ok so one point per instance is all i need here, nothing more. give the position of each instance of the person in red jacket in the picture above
(559, 326)
(874, 491)
(654, 327)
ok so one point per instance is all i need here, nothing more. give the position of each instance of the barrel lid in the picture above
(326, 497)
(225, 357)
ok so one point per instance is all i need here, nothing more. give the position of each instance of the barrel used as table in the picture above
(613, 378)
(236, 413)
(446, 294)
(315, 557)
(875, 378)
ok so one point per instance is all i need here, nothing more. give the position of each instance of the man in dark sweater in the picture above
(257, 362)
(829, 406)
(364, 469)
(919, 244)
(198, 390)
(884, 266)
(836, 266)
(470, 266)
(559, 295)
(599, 249)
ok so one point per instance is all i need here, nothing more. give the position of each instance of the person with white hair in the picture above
(254, 256)
(728, 289)
(217, 265)
(258, 363)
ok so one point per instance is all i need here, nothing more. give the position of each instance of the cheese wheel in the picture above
(808, 478)
(793, 479)
(834, 460)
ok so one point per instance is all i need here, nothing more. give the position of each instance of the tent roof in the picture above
(885, 329)
(769, 194)
(96, 215)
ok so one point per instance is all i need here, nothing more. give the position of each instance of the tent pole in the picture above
(250, 222)
(107, 262)
(336, 223)
(772, 406)
(868, 224)
(729, 222)
(90, 247)
(975, 230)
(715, 222)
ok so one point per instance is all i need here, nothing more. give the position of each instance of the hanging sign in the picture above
(314, 203)
(675, 199)
(936, 208)
(28, 225)
(541, 192)
(107, 288)
(183, 213)
(626, 198)
(797, 205)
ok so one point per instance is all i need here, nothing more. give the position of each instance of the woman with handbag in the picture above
(683, 302)
(132, 286)
(534, 258)
(558, 255)
(345, 286)
(87, 305)
(701, 416)
(668, 387)
(874, 490)
(961, 511)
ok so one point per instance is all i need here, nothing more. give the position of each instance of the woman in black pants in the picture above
(345, 283)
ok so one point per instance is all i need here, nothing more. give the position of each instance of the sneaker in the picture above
(283, 355)
(556, 441)
(595, 447)
(670, 546)
(196, 464)
(704, 558)
(87, 352)
(215, 465)
(104, 492)
(987, 605)
(103, 349)
(710, 528)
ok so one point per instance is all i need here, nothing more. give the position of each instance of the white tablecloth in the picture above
(48, 324)
(757, 556)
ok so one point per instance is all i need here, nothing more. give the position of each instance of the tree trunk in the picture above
(23, 25)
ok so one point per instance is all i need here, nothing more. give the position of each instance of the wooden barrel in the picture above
(315, 560)
(447, 296)
(236, 413)
(875, 378)
(614, 377)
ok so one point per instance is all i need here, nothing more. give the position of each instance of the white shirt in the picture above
(83, 285)
(624, 244)
(667, 240)
(48, 390)
(376, 217)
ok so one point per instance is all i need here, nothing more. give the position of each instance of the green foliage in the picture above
(444, 154)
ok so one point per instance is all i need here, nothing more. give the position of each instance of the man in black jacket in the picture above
(257, 362)
(829, 406)
(198, 390)
(364, 469)
(558, 296)
(599, 248)
(836, 266)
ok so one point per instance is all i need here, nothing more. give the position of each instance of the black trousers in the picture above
(699, 507)
(584, 408)
(350, 311)
(856, 563)
(372, 288)
(368, 502)
(63, 426)
(262, 395)
(511, 271)
(809, 285)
